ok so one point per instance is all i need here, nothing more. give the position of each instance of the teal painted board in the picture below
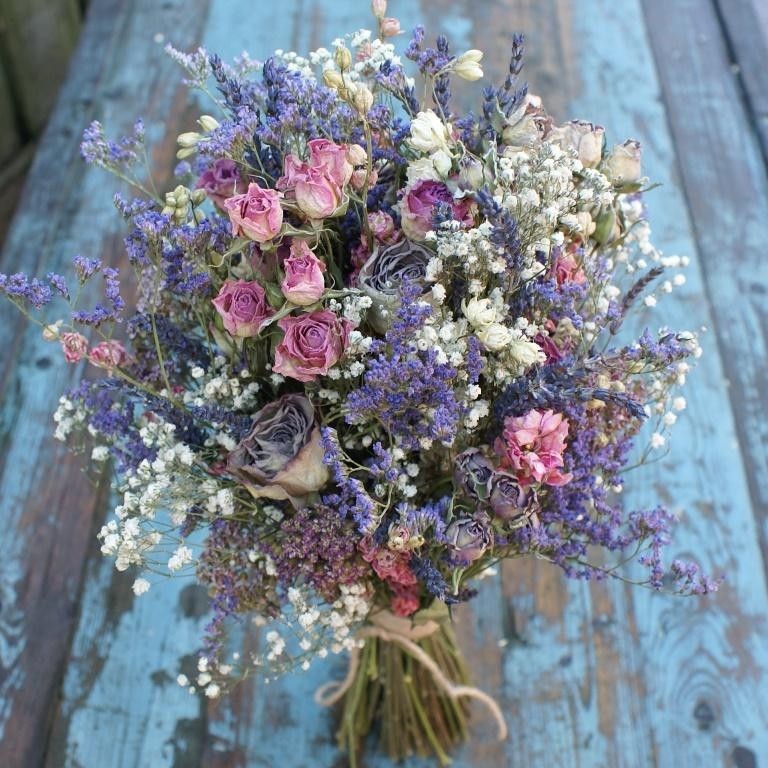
(746, 26)
(48, 506)
(710, 654)
(724, 155)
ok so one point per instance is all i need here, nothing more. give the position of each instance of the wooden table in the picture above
(590, 676)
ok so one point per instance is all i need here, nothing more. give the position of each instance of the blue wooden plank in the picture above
(47, 505)
(706, 654)
(726, 155)
(597, 676)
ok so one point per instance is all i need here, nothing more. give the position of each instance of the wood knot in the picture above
(744, 758)
(704, 715)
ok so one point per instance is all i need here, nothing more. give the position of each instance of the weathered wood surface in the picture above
(590, 677)
(746, 26)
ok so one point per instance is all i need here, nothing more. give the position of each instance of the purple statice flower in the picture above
(128, 209)
(505, 235)
(432, 579)
(500, 103)
(475, 362)
(86, 268)
(430, 518)
(232, 136)
(235, 584)
(144, 242)
(318, 547)
(101, 314)
(96, 149)
(20, 287)
(406, 390)
(653, 527)
(351, 499)
(111, 410)
(393, 78)
(662, 350)
(430, 61)
(689, 578)
(381, 465)
(59, 284)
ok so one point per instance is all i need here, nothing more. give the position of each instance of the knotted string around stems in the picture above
(393, 629)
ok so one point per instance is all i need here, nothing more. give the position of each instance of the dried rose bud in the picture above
(468, 538)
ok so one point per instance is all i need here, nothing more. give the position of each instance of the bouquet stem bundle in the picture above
(409, 683)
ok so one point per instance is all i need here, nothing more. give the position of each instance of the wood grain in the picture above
(726, 183)
(45, 499)
(745, 23)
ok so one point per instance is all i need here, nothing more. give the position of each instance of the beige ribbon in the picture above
(393, 629)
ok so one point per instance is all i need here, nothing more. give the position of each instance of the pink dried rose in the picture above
(243, 307)
(357, 155)
(312, 344)
(256, 214)
(367, 548)
(317, 194)
(389, 27)
(393, 567)
(584, 137)
(568, 270)
(383, 227)
(333, 158)
(303, 283)
(75, 346)
(108, 354)
(293, 170)
(221, 181)
(405, 601)
(532, 447)
(418, 204)
(624, 163)
(361, 175)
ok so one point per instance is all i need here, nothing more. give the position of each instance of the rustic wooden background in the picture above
(598, 676)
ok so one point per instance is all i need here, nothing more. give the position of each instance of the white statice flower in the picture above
(68, 418)
(495, 336)
(422, 169)
(438, 293)
(658, 440)
(524, 352)
(100, 453)
(181, 557)
(479, 410)
(679, 403)
(140, 587)
(480, 312)
(430, 134)
(212, 691)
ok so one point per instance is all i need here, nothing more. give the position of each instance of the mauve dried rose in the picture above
(281, 457)
(468, 538)
(384, 273)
